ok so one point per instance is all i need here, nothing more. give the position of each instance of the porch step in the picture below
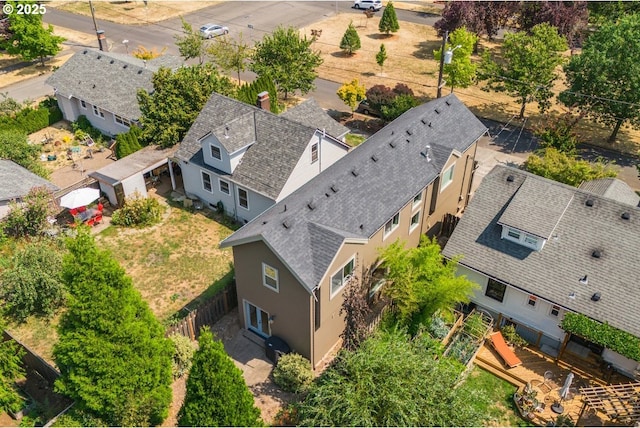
(500, 372)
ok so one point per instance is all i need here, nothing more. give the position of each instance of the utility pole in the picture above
(444, 42)
(102, 42)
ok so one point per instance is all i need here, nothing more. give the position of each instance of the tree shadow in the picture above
(380, 36)
(426, 48)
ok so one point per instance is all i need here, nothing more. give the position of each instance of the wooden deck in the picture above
(587, 372)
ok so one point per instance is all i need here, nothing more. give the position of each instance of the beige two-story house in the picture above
(293, 261)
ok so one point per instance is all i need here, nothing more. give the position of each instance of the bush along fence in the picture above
(207, 314)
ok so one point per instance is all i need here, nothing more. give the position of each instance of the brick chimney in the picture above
(263, 101)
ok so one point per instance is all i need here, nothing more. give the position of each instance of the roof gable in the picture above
(612, 188)
(309, 113)
(16, 181)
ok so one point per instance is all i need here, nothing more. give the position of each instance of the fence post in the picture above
(225, 300)
(191, 326)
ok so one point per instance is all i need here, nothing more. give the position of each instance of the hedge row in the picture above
(30, 120)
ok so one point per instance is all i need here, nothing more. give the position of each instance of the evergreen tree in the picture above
(112, 354)
(381, 56)
(128, 142)
(389, 21)
(10, 370)
(350, 40)
(216, 392)
(248, 92)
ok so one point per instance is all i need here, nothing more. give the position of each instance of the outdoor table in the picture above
(88, 214)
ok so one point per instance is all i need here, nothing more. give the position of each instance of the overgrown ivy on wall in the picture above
(605, 335)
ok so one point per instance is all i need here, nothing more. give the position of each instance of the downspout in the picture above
(324, 134)
(235, 207)
(312, 328)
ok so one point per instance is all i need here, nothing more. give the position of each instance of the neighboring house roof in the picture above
(554, 272)
(310, 113)
(612, 188)
(16, 181)
(277, 142)
(359, 193)
(108, 80)
(132, 164)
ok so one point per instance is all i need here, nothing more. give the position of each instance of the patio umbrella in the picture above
(79, 197)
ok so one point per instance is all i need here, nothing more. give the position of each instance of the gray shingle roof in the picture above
(536, 213)
(108, 80)
(16, 181)
(136, 162)
(355, 196)
(612, 188)
(554, 272)
(309, 113)
(278, 142)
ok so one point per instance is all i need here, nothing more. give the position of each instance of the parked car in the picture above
(208, 31)
(365, 108)
(368, 4)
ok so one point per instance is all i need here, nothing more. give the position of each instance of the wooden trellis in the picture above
(619, 402)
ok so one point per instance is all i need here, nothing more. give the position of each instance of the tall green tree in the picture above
(248, 92)
(10, 369)
(604, 80)
(216, 392)
(351, 94)
(28, 37)
(14, 145)
(566, 167)
(128, 142)
(381, 56)
(288, 58)
(390, 380)
(528, 67)
(28, 218)
(389, 21)
(350, 42)
(461, 72)
(190, 44)
(176, 100)
(112, 354)
(421, 281)
(230, 55)
(32, 285)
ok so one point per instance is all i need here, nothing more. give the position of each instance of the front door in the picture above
(257, 319)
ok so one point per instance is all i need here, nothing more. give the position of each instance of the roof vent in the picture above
(99, 56)
(424, 122)
(584, 280)
(327, 195)
(354, 172)
(589, 202)
(94, 86)
(510, 178)
(393, 132)
(84, 52)
(447, 102)
(111, 62)
(392, 144)
(595, 297)
(264, 222)
(437, 111)
(311, 206)
(625, 216)
(285, 208)
(596, 254)
(286, 224)
(409, 132)
(361, 226)
(430, 125)
(125, 66)
(139, 71)
(408, 140)
(374, 158)
(334, 188)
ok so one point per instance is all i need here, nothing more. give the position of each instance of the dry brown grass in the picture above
(411, 61)
(28, 72)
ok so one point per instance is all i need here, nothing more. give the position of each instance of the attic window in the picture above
(374, 158)
(510, 178)
(596, 254)
(589, 202)
(354, 172)
(625, 216)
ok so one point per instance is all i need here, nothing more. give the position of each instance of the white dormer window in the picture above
(215, 152)
(314, 152)
(522, 238)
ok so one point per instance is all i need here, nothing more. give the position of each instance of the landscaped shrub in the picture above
(182, 354)
(510, 335)
(138, 211)
(293, 373)
(128, 142)
(30, 217)
(10, 369)
(397, 106)
(85, 125)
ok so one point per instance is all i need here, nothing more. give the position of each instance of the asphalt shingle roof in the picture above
(108, 80)
(554, 272)
(16, 181)
(277, 142)
(357, 195)
(309, 113)
(612, 188)
(134, 163)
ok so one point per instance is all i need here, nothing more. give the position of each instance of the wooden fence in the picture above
(207, 314)
(449, 222)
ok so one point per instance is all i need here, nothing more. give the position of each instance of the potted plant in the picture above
(512, 337)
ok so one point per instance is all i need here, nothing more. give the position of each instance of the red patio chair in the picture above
(82, 209)
(100, 207)
(73, 212)
(90, 222)
(98, 218)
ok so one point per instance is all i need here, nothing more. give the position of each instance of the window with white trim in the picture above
(531, 301)
(391, 225)
(83, 104)
(121, 121)
(314, 152)
(495, 290)
(555, 311)
(446, 178)
(206, 181)
(531, 241)
(224, 186)
(512, 233)
(270, 277)
(340, 278)
(243, 198)
(415, 221)
(417, 199)
(215, 152)
(97, 111)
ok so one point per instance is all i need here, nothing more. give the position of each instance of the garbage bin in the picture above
(275, 347)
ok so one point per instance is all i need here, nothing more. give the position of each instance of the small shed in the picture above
(132, 173)
(16, 182)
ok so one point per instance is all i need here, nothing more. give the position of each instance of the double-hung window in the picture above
(496, 290)
(215, 152)
(121, 121)
(270, 277)
(83, 104)
(446, 178)
(415, 221)
(224, 186)
(340, 278)
(391, 225)
(243, 198)
(97, 111)
(206, 181)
